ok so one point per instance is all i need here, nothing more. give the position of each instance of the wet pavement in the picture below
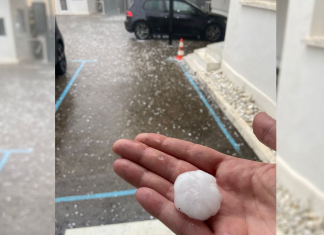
(26, 149)
(129, 90)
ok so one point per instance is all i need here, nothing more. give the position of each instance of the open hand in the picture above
(152, 163)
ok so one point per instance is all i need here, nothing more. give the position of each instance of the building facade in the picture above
(249, 54)
(85, 7)
(79, 7)
(14, 31)
(26, 31)
(300, 112)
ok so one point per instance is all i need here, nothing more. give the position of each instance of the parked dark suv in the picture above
(147, 17)
(60, 59)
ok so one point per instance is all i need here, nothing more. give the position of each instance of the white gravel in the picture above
(243, 103)
(294, 217)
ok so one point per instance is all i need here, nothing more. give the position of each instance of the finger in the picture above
(165, 211)
(200, 156)
(140, 177)
(264, 128)
(153, 160)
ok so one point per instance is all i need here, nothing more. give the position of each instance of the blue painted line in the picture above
(4, 160)
(7, 152)
(95, 196)
(16, 150)
(69, 85)
(83, 60)
(216, 118)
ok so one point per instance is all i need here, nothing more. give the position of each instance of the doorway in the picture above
(64, 5)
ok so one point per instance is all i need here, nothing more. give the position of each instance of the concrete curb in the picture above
(264, 153)
(147, 227)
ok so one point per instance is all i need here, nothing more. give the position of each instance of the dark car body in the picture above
(60, 59)
(155, 13)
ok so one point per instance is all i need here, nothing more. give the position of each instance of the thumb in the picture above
(264, 128)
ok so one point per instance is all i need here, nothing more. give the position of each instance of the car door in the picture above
(156, 16)
(186, 18)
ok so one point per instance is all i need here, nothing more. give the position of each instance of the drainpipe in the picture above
(170, 22)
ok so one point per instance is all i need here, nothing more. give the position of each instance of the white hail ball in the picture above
(196, 194)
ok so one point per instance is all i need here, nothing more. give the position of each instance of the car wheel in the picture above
(142, 31)
(61, 66)
(213, 33)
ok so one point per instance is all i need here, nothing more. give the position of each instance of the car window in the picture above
(154, 5)
(130, 3)
(180, 7)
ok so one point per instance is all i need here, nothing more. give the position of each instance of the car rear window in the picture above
(130, 4)
(153, 5)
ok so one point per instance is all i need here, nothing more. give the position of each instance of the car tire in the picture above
(213, 33)
(61, 66)
(142, 31)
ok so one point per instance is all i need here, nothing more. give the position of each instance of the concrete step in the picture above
(193, 64)
(215, 50)
(213, 54)
(217, 47)
(205, 60)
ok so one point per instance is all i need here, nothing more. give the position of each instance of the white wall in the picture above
(78, 7)
(7, 49)
(300, 128)
(249, 55)
(220, 7)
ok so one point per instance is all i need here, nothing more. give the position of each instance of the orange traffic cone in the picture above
(180, 51)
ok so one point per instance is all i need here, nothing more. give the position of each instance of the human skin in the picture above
(152, 162)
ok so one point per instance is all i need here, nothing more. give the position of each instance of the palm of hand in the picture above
(153, 162)
(249, 199)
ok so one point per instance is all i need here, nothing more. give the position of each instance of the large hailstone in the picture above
(196, 194)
